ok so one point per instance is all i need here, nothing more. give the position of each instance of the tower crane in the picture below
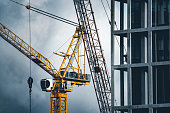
(87, 33)
(69, 73)
(95, 57)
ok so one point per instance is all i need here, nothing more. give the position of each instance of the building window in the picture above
(121, 15)
(139, 47)
(161, 83)
(139, 86)
(160, 12)
(140, 111)
(160, 45)
(138, 14)
(161, 110)
(121, 97)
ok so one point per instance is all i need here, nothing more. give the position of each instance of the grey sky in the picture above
(47, 36)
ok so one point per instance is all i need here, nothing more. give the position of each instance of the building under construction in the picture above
(143, 70)
(140, 31)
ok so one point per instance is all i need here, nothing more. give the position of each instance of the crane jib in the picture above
(96, 60)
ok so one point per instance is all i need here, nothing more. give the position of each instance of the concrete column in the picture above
(112, 54)
(150, 84)
(156, 85)
(143, 49)
(129, 80)
(150, 74)
(122, 87)
(149, 13)
(161, 14)
(129, 35)
(169, 28)
(129, 75)
(156, 18)
(121, 28)
(121, 54)
(144, 87)
(128, 14)
(155, 47)
(169, 13)
(143, 14)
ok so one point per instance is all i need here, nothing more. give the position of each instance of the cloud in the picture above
(47, 36)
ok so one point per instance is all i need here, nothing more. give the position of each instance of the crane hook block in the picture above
(30, 81)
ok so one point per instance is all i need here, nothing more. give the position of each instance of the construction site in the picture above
(85, 56)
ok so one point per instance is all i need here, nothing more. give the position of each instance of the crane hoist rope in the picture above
(110, 22)
(30, 82)
(30, 79)
(105, 12)
(29, 25)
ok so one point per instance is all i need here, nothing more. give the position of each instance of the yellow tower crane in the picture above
(67, 76)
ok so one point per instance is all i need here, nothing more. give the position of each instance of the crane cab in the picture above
(46, 84)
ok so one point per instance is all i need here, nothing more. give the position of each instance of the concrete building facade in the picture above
(141, 61)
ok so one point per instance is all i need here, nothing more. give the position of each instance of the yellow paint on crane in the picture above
(58, 93)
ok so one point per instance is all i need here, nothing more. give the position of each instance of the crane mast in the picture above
(96, 60)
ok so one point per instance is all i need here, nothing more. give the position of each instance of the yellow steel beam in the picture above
(75, 40)
(58, 102)
(27, 50)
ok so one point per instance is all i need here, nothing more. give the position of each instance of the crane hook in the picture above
(30, 81)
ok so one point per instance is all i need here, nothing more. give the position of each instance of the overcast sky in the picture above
(47, 36)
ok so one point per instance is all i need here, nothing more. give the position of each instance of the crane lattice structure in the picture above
(96, 60)
(61, 77)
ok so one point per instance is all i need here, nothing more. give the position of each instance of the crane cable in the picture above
(110, 22)
(59, 48)
(30, 79)
(105, 12)
(64, 20)
(52, 16)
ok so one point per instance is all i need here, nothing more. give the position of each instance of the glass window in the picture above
(139, 86)
(139, 47)
(138, 14)
(160, 45)
(160, 12)
(161, 83)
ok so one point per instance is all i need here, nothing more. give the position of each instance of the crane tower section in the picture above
(96, 60)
